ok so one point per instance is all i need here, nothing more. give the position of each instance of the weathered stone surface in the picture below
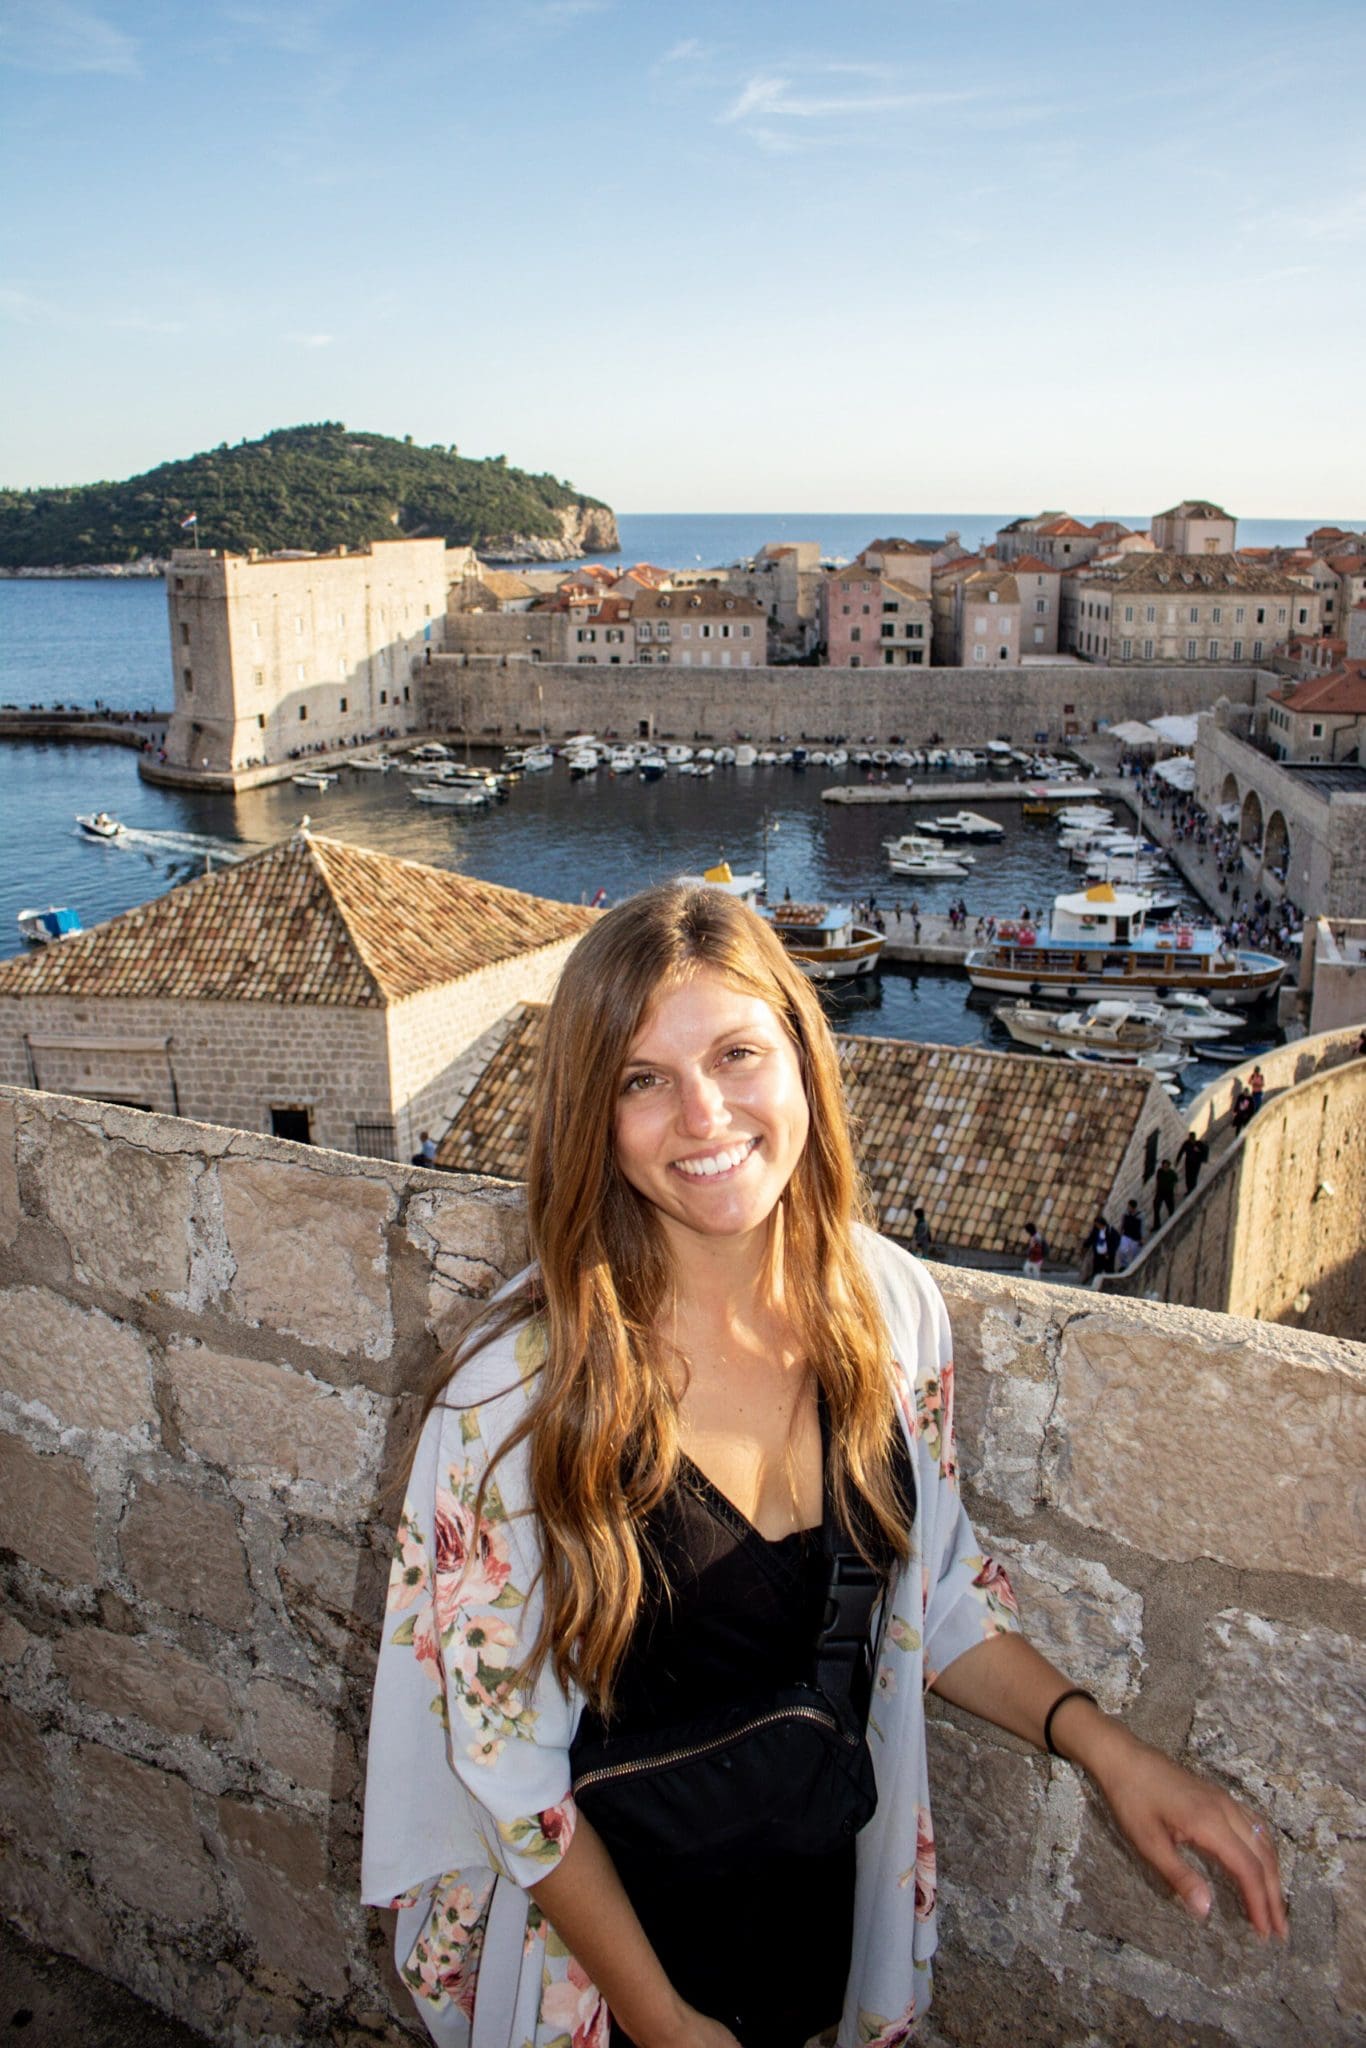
(9, 1174)
(47, 1511)
(1118, 1898)
(86, 1370)
(291, 1845)
(987, 1803)
(1161, 1428)
(1082, 1618)
(298, 1738)
(1003, 1395)
(130, 1675)
(310, 1253)
(15, 1639)
(139, 1829)
(50, 1909)
(184, 1550)
(1350, 1905)
(471, 1245)
(263, 1421)
(26, 1803)
(296, 1932)
(334, 1592)
(1282, 1711)
(124, 1209)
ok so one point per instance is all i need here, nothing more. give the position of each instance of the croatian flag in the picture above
(193, 520)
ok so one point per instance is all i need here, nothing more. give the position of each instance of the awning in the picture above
(1134, 734)
(1178, 772)
(1177, 729)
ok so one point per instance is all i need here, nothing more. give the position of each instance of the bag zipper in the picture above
(669, 1757)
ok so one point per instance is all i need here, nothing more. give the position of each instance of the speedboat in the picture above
(1098, 943)
(371, 764)
(747, 888)
(313, 778)
(99, 825)
(905, 844)
(460, 796)
(41, 927)
(1166, 1064)
(651, 767)
(1105, 1027)
(824, 940)
(967, 825)
(927, 864)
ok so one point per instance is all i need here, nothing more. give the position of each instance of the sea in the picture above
(89, 641)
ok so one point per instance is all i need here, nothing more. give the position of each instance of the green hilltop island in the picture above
(315, 488)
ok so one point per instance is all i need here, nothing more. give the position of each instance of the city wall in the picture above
(1326, 835)
(209, 1361)
(965, 705)
(1276, 1229)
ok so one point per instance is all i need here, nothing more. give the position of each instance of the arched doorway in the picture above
(1250, 829)
(1229, 793)
(1276, 849)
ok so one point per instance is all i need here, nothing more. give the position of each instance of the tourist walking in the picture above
(713, 1399)
(1036, 1251)
(1192, 1153)
(1101, 1243)
(1242, 1109)
(1130, 1237)
(921, 1241)
(1165, 1195)
(1256, 1087)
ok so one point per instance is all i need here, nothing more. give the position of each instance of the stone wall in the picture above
(210, 1355)
(1277, 1227)
(1326, 871)
(968, 706)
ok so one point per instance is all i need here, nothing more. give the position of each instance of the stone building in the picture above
(1040, 592)
(1195, 527)
(868, 618)
(602, 631)
(699, 628)
(317, 992)
(1057, 539)
(985, 1142)
(1322, 718)
(1302, 827)
(1166, 607)
(276, 655)
(986, 624)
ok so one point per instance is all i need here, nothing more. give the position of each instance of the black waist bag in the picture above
(788, 1775)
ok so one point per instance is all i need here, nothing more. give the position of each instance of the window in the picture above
(746, 633)
(1316, 732)
(377, 1139)
(1147, 650)
(1128, 615)
(979, 652)
(1217, 615)
(290, 1123)
(1280, 615)
(1214, 650)
(889, 632)
(1261, 615)
(1238, 616)
(343, 707)
(687, 630)
(979, 625)
(856, 633)
(1195, 615)
(915, 630)
(184, 636)
(261, 720)
(992, 596)
(1126, 648)
(303, 711)
(1237, 650)
(662, 630)
(1190, 650)
(384, 696)
(845, 609)
(1150, 1151)
(1041, 604)
(1003, 654)
(1150, 615)
(259, 678)
(891, 607)
(187, 677)
(704, 632)
(1256, 650)
(1302, 616)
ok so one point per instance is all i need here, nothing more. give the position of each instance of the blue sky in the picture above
(700, 257)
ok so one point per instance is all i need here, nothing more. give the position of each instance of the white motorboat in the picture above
(1180, 1026)
(967, 825)
(907, 843)
(650, 767)
(459, 796)
(725, 757)
(582, 762)
(371, 764)
(621, 762)
(912, 854)
(1098, 943)
(677, 755)
(313, 778)
(431, 750)
(99, 825)
(42, 927)
(746, 755)
(1104, 1027)
(1164, 1064)
(824, 940)
(536, 760)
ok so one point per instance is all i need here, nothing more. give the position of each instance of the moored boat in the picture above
(824, 940)
(1105, 1027)
(313, 778)
(42, 927)
(459, 796)
(1098, 943)
(966, 825)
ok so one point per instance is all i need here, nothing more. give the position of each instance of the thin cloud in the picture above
(771, 97)
(58, 36)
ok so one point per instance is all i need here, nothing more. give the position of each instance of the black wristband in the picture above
(1074, 1692)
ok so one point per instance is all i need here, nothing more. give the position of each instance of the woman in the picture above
(622, 1514)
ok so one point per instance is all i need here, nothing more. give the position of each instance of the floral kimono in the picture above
(468, 1796)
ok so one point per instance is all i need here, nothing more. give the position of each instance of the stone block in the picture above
(125, 1675)
(300, 1739)
(26, 1795)
(1350, 1914)
(83, 1368)
(311, 1253)
(334, 1593)
(1117, 1898)
(1081, 1617)
(54, 1912)
(139, 1829)
(47, 1511)
(288, 1842)
(263, 1421)
(15, 1640)
(1281, 1712)
(1003, 1394)
(124, 1210)
(1159, 1426)
(182, 1548)
(988, 1803)
(10, 1210)
(295, 1932)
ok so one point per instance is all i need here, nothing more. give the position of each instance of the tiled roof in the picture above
(1034, 565)
(505, 583)
(911, 590)
(1064, 526)
(701, 599)
(1343, 691)
(1194, 508)
(999, 580)
(1175, 573)
(309, 921)
(1347, 565)
(984, 1141)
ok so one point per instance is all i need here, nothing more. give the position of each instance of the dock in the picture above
(937, 789)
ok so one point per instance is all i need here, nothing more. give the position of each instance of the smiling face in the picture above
(711, 1113)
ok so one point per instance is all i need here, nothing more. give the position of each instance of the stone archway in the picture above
(1276, 847)
(1250, 826)
(1229, 794)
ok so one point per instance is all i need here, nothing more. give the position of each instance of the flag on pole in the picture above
(193, 520)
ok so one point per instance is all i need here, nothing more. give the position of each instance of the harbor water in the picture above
(79, 642)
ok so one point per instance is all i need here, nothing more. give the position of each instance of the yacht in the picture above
(1098, 943)
(914, 853)
(967, 825)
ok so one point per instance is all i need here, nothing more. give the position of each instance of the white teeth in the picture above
(720, 1162)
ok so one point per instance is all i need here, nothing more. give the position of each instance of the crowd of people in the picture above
(1263, 924)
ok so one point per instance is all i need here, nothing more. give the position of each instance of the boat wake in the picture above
(174, 849)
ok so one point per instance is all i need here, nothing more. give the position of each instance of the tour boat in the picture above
(1098, 943)
(824, 940)
(99, 825)
(41, 927)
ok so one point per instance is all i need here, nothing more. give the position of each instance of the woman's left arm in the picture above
(1159, 1807)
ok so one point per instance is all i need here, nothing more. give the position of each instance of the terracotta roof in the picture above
(961, 565)
(1342, 691)
(612, 611)
(505, 583)
(1187, 573)
(1347, 565)
(1034, 565)
(1194, 508)
(309, 921)
(1063, 526)
(911, 590)
(701, 600)
(984, 1141)
(1111, 529)
(1002, 581)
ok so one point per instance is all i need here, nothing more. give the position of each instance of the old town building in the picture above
(700, 628)
(1195, 527)
(870, 619)
(1169, 608)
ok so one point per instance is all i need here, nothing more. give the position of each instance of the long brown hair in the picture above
(602, 1428)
